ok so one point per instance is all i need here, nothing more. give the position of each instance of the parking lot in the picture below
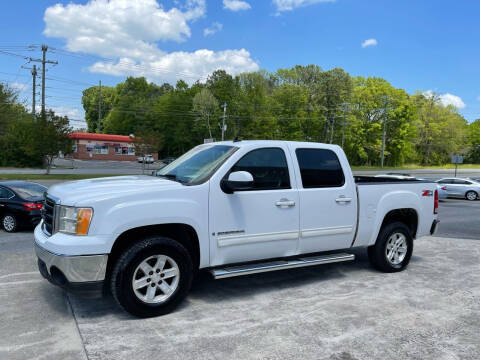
(338, 311)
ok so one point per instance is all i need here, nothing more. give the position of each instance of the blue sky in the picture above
(414, 44)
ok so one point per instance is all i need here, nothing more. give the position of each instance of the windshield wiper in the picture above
(171, 177)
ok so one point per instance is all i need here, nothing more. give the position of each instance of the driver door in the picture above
(259, 223)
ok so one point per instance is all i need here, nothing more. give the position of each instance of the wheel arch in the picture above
(183, 233)
(407, 216)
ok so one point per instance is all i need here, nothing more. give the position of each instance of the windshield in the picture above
(29, 191)
(198, 164)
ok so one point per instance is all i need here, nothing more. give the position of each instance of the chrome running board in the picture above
(239, 270)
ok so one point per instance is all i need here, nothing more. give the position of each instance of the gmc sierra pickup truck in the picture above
(232, 208)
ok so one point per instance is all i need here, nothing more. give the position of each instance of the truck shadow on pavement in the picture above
(206, 290)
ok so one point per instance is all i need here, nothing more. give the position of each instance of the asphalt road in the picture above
(459, 219)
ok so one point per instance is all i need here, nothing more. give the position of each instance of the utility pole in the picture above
(345, 107)
(34, 88)
(223, 120)
(100, 107)
(44, 61)
(384, 130)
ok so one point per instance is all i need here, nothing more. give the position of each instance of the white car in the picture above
(461, 188)
(231, 208)
(148, 159)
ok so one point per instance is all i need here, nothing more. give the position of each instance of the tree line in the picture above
(30, 140)
(302, 103)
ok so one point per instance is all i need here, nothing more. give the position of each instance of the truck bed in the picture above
(371, 180)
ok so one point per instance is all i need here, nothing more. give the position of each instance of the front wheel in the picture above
(152, 277)
(471, 195)
(393, 248)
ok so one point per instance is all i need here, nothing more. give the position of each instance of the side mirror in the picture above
(237, 181)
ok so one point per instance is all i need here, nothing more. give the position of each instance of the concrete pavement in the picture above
(337, 311)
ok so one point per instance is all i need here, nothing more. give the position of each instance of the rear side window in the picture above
(268, 167)
(5, 194)
(319, 168)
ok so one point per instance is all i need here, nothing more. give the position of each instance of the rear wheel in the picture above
(152, 276)
(9, 223)
(471, 195)
(393, 248)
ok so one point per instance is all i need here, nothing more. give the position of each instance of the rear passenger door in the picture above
(327, 196)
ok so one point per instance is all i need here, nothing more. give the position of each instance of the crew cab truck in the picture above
(232, 208)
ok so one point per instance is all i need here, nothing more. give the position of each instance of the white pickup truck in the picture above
(231, 208)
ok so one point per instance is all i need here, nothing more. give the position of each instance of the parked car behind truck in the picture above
(232, 208)
(461, 188)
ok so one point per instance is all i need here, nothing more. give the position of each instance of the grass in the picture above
(51, 176)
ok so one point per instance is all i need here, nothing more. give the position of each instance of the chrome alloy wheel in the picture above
(156, 279)
(471, 195)
(396, 248)
(8, 223)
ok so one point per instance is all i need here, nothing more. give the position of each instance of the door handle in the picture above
(343, 199)
(285, 202)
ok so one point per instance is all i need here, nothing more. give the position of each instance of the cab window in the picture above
(268, 167)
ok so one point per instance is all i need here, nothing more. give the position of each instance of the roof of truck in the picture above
(241, 143)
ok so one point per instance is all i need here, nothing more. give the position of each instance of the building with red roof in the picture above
(90, 146)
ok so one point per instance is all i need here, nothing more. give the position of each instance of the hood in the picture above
(87, 192)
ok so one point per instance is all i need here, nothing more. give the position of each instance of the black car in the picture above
(20, 204)
(168, 160)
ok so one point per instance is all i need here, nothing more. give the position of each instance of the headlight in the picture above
(72, 220)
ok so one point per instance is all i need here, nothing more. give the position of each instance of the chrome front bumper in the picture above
(75, 269)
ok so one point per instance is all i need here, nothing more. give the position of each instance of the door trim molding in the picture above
(223, 241)
(334, 230)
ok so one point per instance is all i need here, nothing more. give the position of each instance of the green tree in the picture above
(206, 106)
(474, 142)
(51, 138)
(441, 130)
(90, 102)
(134, 98)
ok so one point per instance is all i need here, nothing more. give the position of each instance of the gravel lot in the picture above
(339, 311)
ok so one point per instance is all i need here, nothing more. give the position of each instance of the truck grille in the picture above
(48, 215)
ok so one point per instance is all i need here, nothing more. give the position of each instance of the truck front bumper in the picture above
(83, 275)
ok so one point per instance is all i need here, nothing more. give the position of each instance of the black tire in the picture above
(126, 265)
(471, 195)
(377, 253)
(12, 225)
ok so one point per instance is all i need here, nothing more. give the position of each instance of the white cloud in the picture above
(188, 66)
(120, 27)
(214, 28)
(288, 5)
(447, 99)
(236, 5)
(369, 42)
(127, 33)
(19, 86)
(72, 113)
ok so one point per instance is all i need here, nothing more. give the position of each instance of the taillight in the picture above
(435, 202)
(32, 206)
(443, 188)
